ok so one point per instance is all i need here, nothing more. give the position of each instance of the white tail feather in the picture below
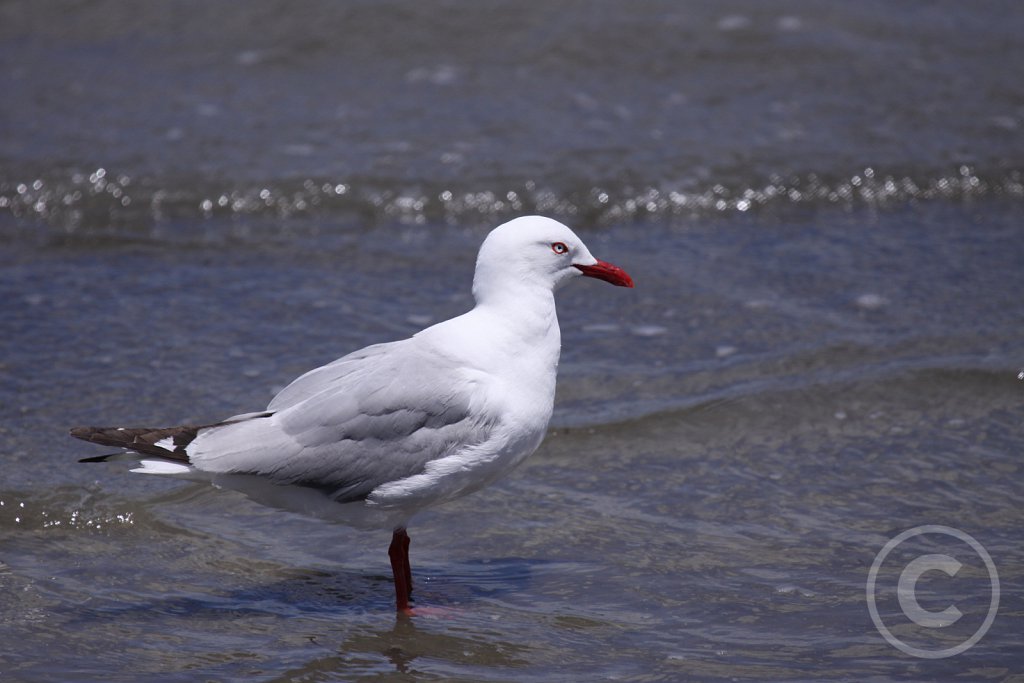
(161, 467)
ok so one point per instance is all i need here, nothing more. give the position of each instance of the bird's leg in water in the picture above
(398, 551)
(408, 566)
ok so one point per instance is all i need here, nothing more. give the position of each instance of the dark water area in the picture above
(821, 206)
(368, 112)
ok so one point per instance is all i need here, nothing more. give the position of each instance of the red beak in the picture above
(603, 270)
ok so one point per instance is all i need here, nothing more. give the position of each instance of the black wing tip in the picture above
(89, 434)
(82, 432)
(101, 458)
(141, 440)
(105, 436)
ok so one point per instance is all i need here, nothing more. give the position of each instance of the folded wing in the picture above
(370, 418)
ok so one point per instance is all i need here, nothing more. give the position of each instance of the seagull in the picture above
(377, 435)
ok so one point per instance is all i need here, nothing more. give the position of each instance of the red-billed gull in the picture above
(383, 432)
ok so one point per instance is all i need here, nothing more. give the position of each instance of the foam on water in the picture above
(99, 202)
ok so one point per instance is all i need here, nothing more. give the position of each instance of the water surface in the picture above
(820, 205)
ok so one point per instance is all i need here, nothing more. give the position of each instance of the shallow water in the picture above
(728, 455)
(823, 349)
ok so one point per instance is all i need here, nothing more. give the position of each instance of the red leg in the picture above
(398, 551)
(408, 566)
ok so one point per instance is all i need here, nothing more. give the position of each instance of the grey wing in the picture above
(381, 420)
(325, 376)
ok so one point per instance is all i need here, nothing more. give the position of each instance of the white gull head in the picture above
(536, 252)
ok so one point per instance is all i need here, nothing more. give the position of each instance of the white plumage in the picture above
(378, 434)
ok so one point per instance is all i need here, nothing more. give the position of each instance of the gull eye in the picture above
(559, 248)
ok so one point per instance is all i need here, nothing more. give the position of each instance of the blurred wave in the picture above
(122, 117)
(85, 203)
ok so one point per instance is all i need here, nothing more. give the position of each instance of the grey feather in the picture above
(370, 418)
(316, 380)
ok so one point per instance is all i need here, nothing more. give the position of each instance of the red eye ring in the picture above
(559, 248)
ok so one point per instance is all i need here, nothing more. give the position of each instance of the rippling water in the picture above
(820, 204)
(392, 112)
